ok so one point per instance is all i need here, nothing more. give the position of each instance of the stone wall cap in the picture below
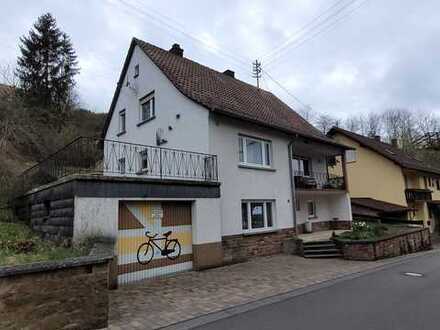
(101, 253)
(386, 238)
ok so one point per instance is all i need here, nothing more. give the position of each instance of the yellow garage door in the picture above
(154, 239)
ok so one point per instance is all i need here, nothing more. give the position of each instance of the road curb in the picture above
(242, 308)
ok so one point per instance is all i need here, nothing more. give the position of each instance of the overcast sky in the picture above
(381, 55)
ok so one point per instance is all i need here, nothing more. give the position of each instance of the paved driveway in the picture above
(157, 303)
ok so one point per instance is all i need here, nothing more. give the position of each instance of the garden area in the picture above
(19, 245)
(373, 241)
(363, 230)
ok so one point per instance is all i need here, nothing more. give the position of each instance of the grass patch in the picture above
(19, 245)
(372, 231)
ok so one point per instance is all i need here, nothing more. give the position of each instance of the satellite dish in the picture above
(160, 139)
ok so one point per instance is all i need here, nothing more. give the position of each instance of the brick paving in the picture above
(160, 302)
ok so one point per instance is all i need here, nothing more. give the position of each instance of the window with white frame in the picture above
(147, 108)
(122, 121)
(311, 209)
(255, 152)
(136, 71)
(257, 215)
(350, 156)
(121, 165)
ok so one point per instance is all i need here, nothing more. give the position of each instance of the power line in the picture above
(296, 98)
(299, 42)
(162, 20)
(304, 27)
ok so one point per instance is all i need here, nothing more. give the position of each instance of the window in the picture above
(311, 209)
(122, 122)
(136, 71)
(301, 166)
(144, 160)
(121, 165)
(350, 156)
(146, 111)
(255, 152)
(257, 215)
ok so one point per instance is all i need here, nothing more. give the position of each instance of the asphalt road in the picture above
(386, 299)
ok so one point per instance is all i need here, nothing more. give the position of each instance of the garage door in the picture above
(154, 239)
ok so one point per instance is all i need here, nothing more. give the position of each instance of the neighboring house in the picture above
(227, 167)
(383, 178)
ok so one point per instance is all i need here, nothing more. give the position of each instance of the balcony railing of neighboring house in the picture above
(113, 158)
(316, 180)
(418, 195)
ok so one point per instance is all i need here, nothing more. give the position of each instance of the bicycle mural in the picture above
(171, 248)
(154, 239)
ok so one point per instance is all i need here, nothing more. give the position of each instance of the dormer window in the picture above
(136, 71)
(147, 110)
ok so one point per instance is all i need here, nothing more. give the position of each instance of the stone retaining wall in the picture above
(238, 248)
(70, 294)
(413, 241)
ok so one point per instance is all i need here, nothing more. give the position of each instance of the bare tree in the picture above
(325, 121)
(7, 75)
(373, 124)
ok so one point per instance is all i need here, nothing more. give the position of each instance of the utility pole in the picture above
(256, 69)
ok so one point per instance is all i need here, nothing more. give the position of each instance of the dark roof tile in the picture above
(388, 151)
(223, 94)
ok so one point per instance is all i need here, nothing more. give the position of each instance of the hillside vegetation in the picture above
(29, 134)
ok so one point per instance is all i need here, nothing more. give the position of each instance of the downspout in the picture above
(292, 185)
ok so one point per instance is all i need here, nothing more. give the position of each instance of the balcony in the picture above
(418, 195)
(316, 180)
(113, 158)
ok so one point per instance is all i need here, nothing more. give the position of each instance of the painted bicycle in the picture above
(170, 248)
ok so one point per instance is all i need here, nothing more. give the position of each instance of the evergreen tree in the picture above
(47, 65)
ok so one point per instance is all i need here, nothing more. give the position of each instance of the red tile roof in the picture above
(226, 95)
(396, 155)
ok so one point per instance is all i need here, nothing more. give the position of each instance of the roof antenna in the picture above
(256, 69)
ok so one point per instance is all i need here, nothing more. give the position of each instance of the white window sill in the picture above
(258, 232)
(257, 167)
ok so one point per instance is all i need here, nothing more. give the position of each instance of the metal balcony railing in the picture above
(317, 180)
(418, 195)
(113, 158)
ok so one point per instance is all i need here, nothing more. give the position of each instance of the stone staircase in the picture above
(321, 249)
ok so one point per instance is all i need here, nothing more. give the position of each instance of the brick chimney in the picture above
(377, 137)
(176, 50)
(229, 73)
(394, 143)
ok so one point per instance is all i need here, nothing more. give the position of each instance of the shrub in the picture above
(363, 231)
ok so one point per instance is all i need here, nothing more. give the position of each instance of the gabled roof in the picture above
(378, 205)
(223, 94)
(396, 155)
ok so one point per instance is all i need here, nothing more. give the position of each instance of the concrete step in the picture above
(319, 246)
(326, 241)
(322, 251)
(333, 255)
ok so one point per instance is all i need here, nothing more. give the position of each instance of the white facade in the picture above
(188, 126)
(96, 216)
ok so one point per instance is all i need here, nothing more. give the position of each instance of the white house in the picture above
(226, 170)
(263, 147)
